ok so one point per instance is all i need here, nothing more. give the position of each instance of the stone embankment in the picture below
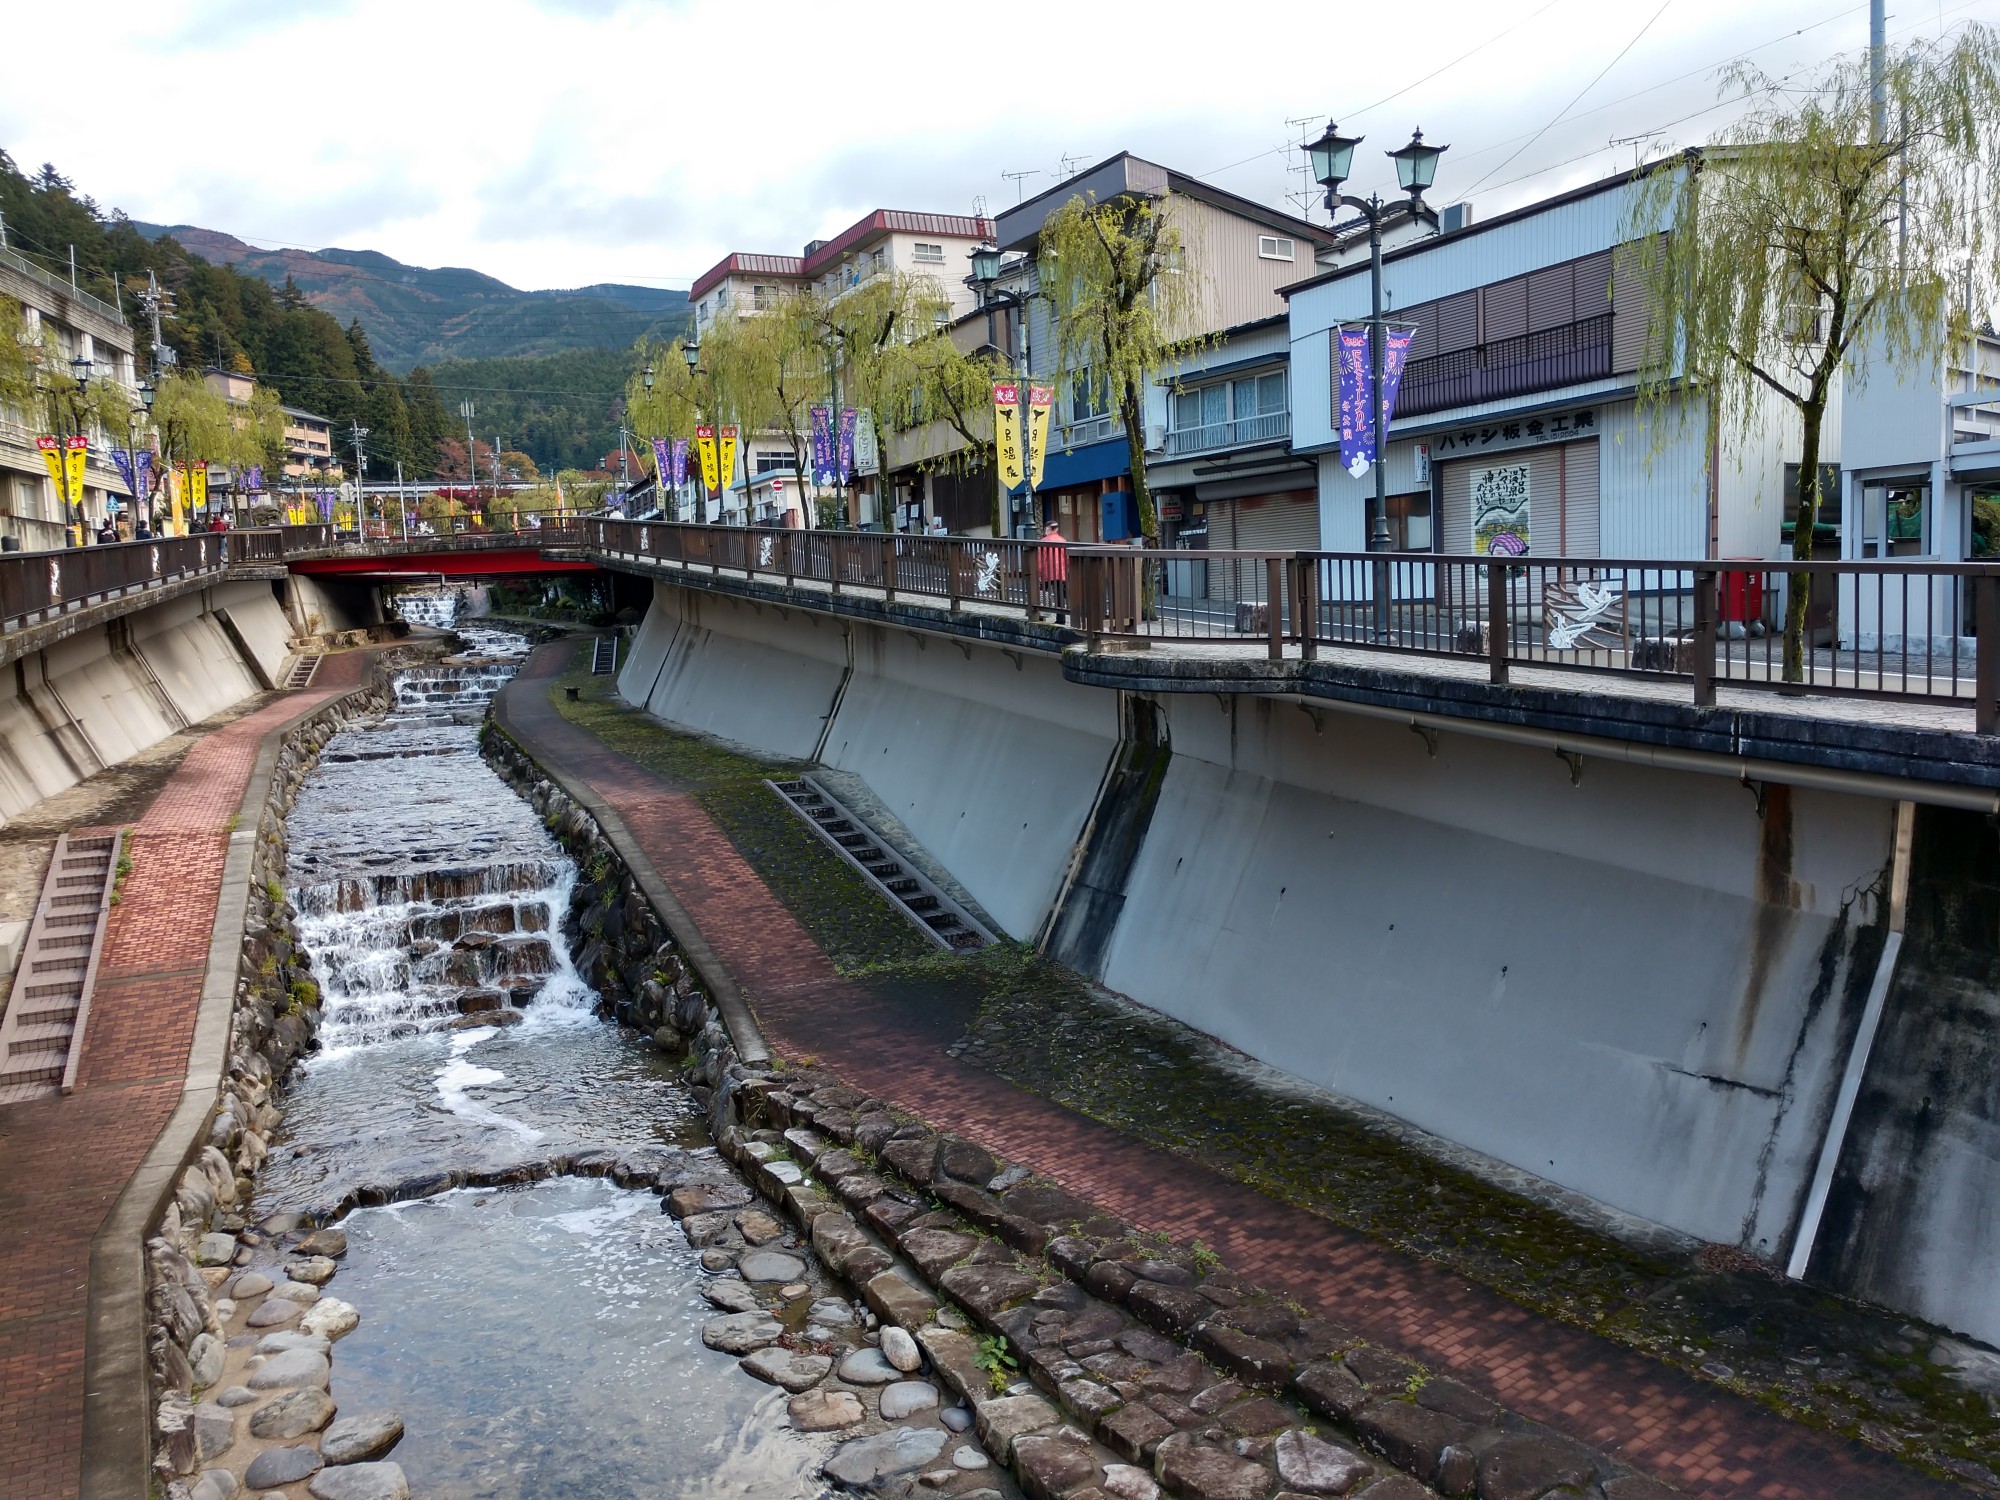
(1091, 1359)
(241, 1326)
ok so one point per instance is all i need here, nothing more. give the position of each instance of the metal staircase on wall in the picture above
(948, 924)
(301, 675)
(604, 655)
(41, 1039)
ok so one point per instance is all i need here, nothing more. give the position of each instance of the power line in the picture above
(1636, 36)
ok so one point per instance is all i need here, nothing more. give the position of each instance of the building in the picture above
(1529, 332)
(308, 444)
(886, 242)
(83, 326)
(1244, 254)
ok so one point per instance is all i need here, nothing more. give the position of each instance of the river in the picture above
(539, 1339)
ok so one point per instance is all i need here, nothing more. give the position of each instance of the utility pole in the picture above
(466, 410)
(1878, 92)
(360, 481)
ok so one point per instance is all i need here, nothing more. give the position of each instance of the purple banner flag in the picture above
(325, 499)
(253, 478)
(844, 459)
(663, 464)
(822, 445)
(145, 468)
(123, 458)
(680, 462)
(1357, 432)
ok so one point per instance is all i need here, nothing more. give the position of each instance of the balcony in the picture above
(1543, 361)
(1271, 427)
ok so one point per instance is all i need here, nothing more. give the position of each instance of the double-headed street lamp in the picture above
(691, 352)
(1332, 159)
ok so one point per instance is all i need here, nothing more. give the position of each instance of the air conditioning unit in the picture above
(1156, 437)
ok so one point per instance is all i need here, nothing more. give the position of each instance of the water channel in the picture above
(541, 1339)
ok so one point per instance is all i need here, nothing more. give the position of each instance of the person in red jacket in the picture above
(1052, 561)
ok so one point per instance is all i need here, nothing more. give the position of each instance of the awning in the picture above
(1106, 460)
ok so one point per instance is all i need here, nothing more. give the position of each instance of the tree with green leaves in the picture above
(1124, 306)
(1822, 237)
(196, 424)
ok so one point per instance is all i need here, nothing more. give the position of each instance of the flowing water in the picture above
(540, 1339)
(436, 607)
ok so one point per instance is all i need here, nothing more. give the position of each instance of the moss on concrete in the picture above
(851, 921)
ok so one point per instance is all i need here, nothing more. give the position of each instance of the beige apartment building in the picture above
(83, 325)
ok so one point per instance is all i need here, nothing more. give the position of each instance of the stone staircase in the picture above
(41, 1039)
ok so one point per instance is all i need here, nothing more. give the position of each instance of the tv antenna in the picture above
(1020, 192)
(1638, 145)
(1069, 171)
(978, 205)
(1306, 196)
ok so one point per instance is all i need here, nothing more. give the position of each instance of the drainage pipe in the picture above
(1857, 1057)
(1660, 757)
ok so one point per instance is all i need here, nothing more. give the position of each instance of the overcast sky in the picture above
(561, 142)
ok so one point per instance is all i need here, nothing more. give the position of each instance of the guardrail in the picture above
(1880, 629)
(40, 586)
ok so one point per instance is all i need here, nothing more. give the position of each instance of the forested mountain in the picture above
(561, 409)
(420, 315)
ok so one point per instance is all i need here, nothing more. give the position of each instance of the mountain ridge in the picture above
(416, 315)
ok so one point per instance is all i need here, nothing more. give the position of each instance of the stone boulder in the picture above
(361, 1439)
(292, 1415)
(378, 1481)
(868, 1463)
(783, 1367)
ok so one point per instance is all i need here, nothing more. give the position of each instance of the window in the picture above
(1088, 398)
(767, 461)
(1894, 517)
(1275, 247)
(932, 255)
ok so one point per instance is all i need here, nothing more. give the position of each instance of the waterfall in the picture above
(426, 890)
(434, 607)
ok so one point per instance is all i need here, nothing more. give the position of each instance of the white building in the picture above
(31, 505)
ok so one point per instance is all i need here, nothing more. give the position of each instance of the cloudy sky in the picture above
(561, 142)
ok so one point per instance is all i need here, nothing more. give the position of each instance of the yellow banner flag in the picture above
(727, 462)
(52, 460)
(1007, 433)
(78, 455)
(704, 442)
(197, 486)
(1040, 399)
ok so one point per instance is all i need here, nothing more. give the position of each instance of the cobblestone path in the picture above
(1703, 1439)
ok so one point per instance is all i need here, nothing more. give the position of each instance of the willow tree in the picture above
(899, 363)
(1124, 305)
(1827, 235)
(196, 424)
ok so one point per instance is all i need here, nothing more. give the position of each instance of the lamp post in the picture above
(142, 503)
(80, 371)
(691, 352)
(1332, 158)
(985, 273)
(465, 410)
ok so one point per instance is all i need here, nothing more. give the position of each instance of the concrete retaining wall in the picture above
(1633, 986)
(991, 760)
(1640, 986)
(106, 694)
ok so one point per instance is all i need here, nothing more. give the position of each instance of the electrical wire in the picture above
(1556, 119)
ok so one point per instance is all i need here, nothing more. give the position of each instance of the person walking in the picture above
(108, 532)
(1052, 561)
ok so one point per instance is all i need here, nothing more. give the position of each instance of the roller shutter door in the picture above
(1562, 498)
(1287, 522)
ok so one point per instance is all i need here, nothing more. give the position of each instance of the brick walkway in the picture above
(1697, 1436)
(64, 1161)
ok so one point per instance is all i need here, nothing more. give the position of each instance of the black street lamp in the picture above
(80, 370)
(985, 273)
(1332, 161)
(691, 352)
